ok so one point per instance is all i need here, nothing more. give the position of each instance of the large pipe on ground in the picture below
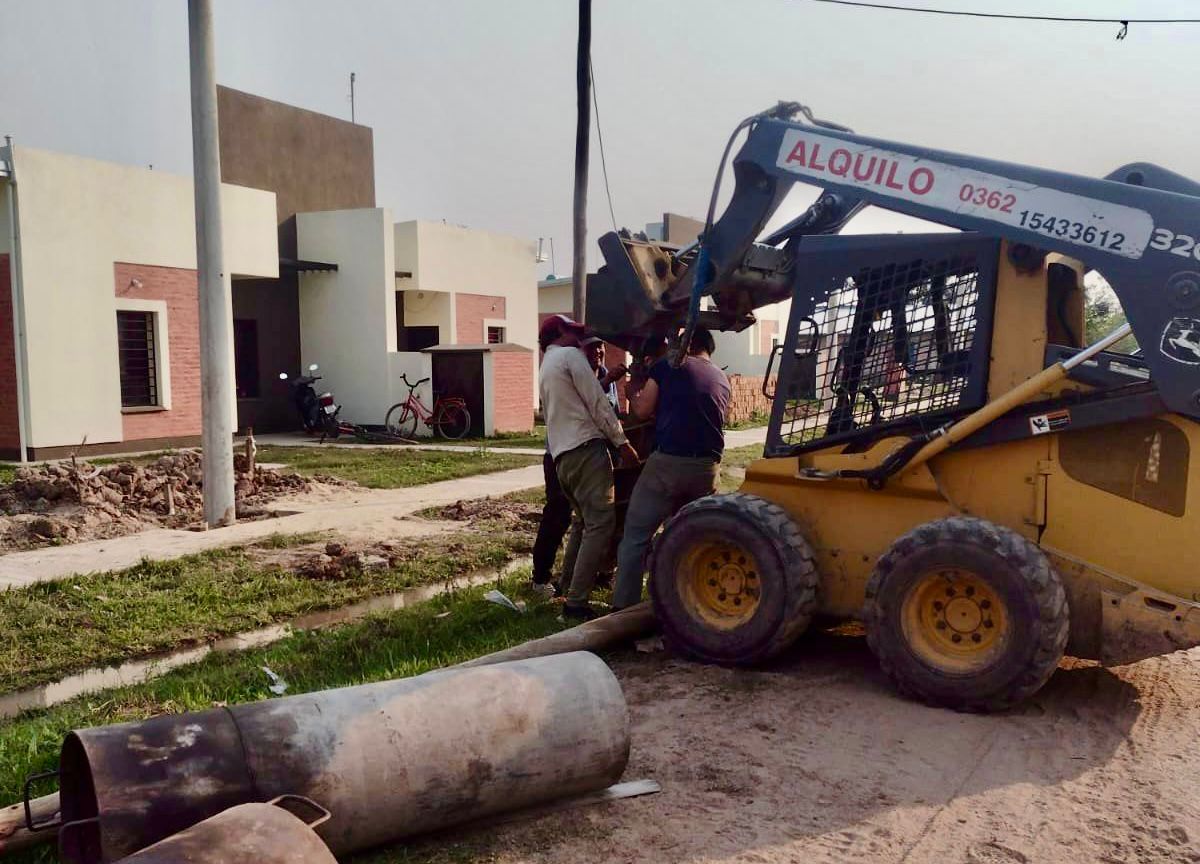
(246, 834)
(389, 760)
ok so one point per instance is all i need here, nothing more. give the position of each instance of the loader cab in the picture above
(894, 335)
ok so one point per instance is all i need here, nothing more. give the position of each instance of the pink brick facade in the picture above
(512, 389)
(178, 288)
(10, 436)
(470, 310)
(767, 331)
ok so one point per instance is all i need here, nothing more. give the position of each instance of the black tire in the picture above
(330, 428)
(453, 422)
(981, 585)
(778, 578)
(401, 421)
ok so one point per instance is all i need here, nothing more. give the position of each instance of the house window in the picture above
(245, 357)
(138, 355)
(495, 335)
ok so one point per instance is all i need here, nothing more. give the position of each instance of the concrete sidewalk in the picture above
(354, 512)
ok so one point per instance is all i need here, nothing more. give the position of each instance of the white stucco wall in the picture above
(427, 309)
(555, 297)
(348, 318)
(454, 260)
(77, 217)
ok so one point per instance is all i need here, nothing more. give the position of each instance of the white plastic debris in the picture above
(499, 599)
(277, 686)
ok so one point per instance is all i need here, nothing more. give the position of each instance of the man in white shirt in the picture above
(580, 424)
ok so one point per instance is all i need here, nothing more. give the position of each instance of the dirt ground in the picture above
(816, 759)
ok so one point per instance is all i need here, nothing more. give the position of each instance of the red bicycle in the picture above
(449, 417)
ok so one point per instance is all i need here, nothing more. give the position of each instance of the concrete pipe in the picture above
(247, 834)
(389, 760)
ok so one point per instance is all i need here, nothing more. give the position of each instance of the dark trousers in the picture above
(556, 519)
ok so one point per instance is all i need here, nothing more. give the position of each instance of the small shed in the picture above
(495, 380)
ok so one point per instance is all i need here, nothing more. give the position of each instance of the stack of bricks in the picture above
(746, 398)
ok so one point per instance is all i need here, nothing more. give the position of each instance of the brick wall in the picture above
(469, 312)
(179, 289)
(746, 398)
(10, 436)
(512, 391)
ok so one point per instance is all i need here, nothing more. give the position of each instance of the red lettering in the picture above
(883, 163)
(859, 174)
(797, 154)
(926, 181)
(891, 178)
(844, 168)
(812, 163)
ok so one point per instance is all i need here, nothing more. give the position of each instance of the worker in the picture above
(689, 403)
(593, 348)
(580, 424)
(556, 512)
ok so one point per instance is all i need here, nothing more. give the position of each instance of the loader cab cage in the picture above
(886, 333)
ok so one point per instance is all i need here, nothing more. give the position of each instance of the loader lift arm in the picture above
(1139, 227)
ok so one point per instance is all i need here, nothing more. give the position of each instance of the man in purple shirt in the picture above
(689, 404)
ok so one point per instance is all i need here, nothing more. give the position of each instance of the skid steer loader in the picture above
(946, 459)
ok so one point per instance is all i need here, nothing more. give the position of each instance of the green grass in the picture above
(756, 419)
(392, 468)
(7, 473)
(537, 438)
(51, 629)
(395, 645)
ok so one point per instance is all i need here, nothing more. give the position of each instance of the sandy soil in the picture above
(816, 760)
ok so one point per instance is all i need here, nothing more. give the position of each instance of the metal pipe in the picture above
(389, 760)
(216, 305)
(17, 287)
(247, 834)
(1018, 395)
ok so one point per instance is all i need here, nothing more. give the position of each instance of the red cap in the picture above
(555, 326)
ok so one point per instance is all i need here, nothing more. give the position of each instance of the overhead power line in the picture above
(600, 139)
(1011, 16)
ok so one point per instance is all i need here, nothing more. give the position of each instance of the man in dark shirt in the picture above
(689, 404)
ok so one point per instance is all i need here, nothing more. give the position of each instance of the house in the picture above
(99, 322)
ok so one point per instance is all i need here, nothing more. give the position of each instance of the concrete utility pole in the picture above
(583, 126)
(216, 315)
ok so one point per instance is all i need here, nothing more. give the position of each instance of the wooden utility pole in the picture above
(583, 127)
(216, 309)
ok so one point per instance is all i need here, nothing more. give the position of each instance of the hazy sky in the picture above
(473, 102)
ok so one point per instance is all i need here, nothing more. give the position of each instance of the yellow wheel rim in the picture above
(720, 584)
(954, 621)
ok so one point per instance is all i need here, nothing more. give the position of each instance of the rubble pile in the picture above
(492, 510)
(69, 501)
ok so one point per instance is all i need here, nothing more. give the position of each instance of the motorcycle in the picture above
(317, 413)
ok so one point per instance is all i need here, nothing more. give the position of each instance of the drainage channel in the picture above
(146, 668)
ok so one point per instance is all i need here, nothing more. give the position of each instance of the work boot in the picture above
(579, 612)
(545, 590)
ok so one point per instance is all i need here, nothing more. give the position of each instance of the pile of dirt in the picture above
(517, 514)
(71, 501)
(339, 561)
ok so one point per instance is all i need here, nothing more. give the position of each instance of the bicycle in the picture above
(449, 418)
